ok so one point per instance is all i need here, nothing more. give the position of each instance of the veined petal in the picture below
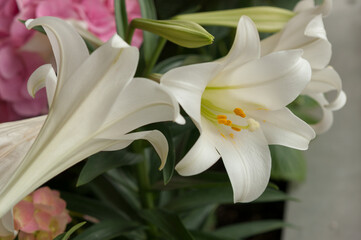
(327, 119)
(187, 85)
(282, 127)
(201, 156)
(248, 163)
(7, 225)
(44, 76)
(69, 48)
(155, 137)
(246, 46)
(16, 139)
(284, 75)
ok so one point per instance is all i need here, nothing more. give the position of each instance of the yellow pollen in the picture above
(221, 117)
(261, 108)
(231, 135)
(228, 123)
(236, 129)
(223, 135)
(264, 121)
(222, 121)
(239, 112)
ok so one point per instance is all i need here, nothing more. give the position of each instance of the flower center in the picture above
(218, 115)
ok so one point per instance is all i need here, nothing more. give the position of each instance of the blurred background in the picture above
(330, 197)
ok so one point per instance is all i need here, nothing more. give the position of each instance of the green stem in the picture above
(156, 54)
(129, 34)
(121, 18)
(145, 193)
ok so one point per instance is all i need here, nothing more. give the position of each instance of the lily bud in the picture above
(184, 33)
(267, 19)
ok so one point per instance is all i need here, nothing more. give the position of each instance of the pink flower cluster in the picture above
(17, 57)
(41, 215)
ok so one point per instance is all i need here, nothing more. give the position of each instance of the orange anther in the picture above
(221, 117)
(239, 112)
(236, 129)
(228, 123)
(222, 121)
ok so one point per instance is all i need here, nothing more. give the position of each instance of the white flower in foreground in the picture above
(238, 105)
(306, 31)
(94, 104)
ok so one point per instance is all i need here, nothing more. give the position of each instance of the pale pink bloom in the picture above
(19, 58)
(41, 215)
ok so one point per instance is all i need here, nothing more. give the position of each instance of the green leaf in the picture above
(198, 235)
(109, 229)
(273, 195)
(267, 19)
(89, 206)
(244, 230)
(168, 223)
(121, 18)
(179, 60)
(65, 236)
(287, 164)
(184, 33)
(104, 161)
(149, 40)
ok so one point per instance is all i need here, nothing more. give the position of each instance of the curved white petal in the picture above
(282, 127)
(44, 76)
(7, 225)
(327, 118)
(187, 85)
(271, 82)
(16, 139)
(69, 48)
(248, 163)
(155, 137)
(338, 103)
(246, 45)
(201, 156)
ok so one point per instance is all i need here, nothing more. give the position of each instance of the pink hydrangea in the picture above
(41, 215)
(19, 58)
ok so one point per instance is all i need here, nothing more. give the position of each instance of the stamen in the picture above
(228, 123)
(253, 125)
(236, 129)
(221, 117)
(239, 112)
(222, 121)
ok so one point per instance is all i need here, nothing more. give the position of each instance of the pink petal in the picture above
(24, 217)
(26, 236)
(43, 219)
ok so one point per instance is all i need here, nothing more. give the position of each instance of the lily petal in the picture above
(16, 139)
(304, 5)
(44, 76)
(202, 155)
(246, 46)
(7, 225)
(282, 127)
(266, 88)
(155, 137)
(248, 163)
(187, 85)
(327, 119)
(69, 48)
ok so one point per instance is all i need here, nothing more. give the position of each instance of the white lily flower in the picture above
(306, 31)
(238, 104)
(94, 104)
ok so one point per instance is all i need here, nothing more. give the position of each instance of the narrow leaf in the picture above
(121, 18)
(168, 223)
(65, 236)
(104, 161)
(107, 230)
(244, 230)
(287, 164)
